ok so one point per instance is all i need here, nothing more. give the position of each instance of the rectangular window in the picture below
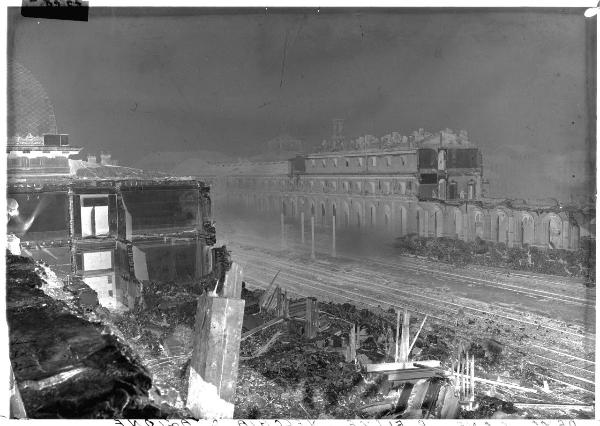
(94, 261)
(94, 216)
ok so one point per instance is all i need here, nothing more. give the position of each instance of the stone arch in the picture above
(457, 219)
(322, 213)
(478, 223)
(371, 214)
(552, 230)
(500, 226)
(357, 215)
(527, 229)
(387, 218)
(345, 214)
(422, 216)
(438, 222)
(574, 240)
(402, 220)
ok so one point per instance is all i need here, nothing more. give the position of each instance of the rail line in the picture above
(405, 292)
(538, 293)
(542, 284)
(263, 282)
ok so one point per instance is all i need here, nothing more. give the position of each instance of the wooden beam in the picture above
(261, 327)
(264, 296)
(417, 335)
(394, 366)
(232, 288)
(555, 406)
(414, 374)
(397, 335)
(404, 338)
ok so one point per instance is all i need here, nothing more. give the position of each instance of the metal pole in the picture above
(302, 226)
(333, 252)
(282, 231)
(312, 236)
(397, 335)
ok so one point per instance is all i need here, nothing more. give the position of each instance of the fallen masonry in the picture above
(346, 367)
(66, 366)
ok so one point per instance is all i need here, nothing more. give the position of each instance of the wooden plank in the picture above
(261, 327)
(267, 292)
(397, 336)
(232, 288)
(404, 338)
(393, 366)
(555, 406)
(402, 403)
(417, 335)
(431, 396)
(311, 327)
(352, 344)
(450, 407)
(418, 394)
(413, 374)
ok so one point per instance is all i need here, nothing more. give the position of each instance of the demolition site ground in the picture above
(532, 337)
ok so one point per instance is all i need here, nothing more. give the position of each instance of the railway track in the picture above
(583, 300)
(562, 292)
(428, 300)
(580, 382)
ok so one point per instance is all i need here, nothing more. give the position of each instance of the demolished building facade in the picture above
(427, 184)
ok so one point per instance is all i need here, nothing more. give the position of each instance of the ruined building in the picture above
(114, 231)
(430, 184)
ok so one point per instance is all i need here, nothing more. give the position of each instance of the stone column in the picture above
(333, 252)
(312, 237)
(302, 226)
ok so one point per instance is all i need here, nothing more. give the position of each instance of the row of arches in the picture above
(428, 219)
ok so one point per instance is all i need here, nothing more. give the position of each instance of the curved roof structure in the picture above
(29, 108)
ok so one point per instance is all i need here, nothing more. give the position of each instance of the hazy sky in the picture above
(139, 80)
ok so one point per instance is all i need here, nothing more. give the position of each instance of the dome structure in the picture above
(29, 108)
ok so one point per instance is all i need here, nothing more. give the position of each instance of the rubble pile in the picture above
(66, 366)
(580, 263)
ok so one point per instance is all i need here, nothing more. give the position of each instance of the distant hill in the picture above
(167, 161)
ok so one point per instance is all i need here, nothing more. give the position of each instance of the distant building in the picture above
(430, 184)
(35, 150)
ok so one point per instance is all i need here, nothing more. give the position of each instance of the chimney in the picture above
(105, 158)
(91, 158)
(338, 127)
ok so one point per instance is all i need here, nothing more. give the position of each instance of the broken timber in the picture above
(265, 296)
(261, 327)
(215, 355)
